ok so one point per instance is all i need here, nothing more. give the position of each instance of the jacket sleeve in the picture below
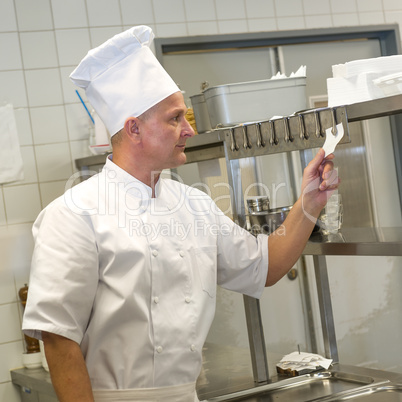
(242, 259)
(64, 274)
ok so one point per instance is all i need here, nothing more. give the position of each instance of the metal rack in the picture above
(301, 131)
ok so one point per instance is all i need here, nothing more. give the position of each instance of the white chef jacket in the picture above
(132, 279)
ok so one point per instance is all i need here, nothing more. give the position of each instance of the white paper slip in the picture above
(331, 140)
(307, 358)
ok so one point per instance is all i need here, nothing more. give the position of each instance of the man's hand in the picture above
(319, 182)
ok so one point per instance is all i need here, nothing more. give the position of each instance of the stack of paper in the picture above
(298, 363)
(354, 81)
(301, 72)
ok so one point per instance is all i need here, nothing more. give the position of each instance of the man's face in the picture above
(164, 131)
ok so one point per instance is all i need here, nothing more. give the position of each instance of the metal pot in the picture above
(200, 113)
(268, 221)
(258, 204)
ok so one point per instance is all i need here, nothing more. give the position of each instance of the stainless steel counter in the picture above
(227, 381)
(35, 385)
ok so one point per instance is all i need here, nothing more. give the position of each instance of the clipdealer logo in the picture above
(128, 200)
(180, 230)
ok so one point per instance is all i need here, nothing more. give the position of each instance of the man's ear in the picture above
(131, 127)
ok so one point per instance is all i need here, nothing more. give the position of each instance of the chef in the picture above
(126, 264)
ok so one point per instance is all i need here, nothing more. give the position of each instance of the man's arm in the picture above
(286, 244)
(67, 369)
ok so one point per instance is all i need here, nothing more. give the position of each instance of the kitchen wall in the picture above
(41, 41)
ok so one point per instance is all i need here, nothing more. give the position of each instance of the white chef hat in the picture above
(123, 78)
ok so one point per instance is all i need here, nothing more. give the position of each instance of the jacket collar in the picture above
(136, 188)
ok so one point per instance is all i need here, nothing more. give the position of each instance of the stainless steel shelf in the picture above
(357, 241)
(376, 108)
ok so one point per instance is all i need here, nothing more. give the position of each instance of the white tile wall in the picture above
(230, 9)
(12, 331)
(34, 15)
(44, 40)
(49, 124)
(11, 357)
(232, 26)
(340, 20)
(171, 30)
(137, 12)
(72, 45)
(318, 21)
(313, 7)
(289, 8)
(371, 18)
(28, 158)
(7, 287)
(44, 87)
(262, 24)
(3, 220)
(343, 6)
(103, 12)
(260, 8)
(69, 14)
(289, 23)
(23, 126)
(8, 43)
(200, 10)
(20, 252)
(53, 161)
(202, 28)
(12, 84)
(8, 20)
(391, 5)
(22, 203)
(51, 190)
(38, 49)
(369, 5)
(168, 11)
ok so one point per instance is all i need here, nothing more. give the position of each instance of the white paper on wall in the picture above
(11, 165)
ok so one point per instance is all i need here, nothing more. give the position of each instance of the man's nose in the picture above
(188, 130)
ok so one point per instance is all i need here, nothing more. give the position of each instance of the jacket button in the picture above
(155, 253)
(156, 299)
(159, 349)
(181, 253)
(192, 347)
(187, 300)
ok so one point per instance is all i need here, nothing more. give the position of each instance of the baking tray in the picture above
(374, 393)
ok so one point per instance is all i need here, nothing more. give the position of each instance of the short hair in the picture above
(117, 138)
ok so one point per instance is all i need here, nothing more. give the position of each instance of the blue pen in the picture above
(89, 114)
